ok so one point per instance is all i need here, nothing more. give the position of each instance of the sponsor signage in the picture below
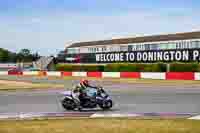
(148, 56)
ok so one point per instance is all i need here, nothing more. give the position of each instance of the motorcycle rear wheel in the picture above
(68, 104)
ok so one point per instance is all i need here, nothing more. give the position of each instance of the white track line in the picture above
(113, 115)
(195, 117)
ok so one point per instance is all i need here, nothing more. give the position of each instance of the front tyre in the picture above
(68, 104)
(106, 105)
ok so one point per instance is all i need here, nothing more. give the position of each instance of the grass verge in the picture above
(16, 85)
(100, 126)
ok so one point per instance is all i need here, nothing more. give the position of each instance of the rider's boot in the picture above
(80, 108)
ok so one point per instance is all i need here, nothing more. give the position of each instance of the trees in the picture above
(4, 55)
(24, 55)
(35, 56)
(25, 52)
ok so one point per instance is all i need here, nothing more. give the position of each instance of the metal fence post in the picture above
(168, 67)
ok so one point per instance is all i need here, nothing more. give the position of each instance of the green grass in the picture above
(100, 126)
(12, 85)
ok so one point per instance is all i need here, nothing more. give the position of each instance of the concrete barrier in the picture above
(30, 73)
(196, 76)
(54, 74)
(94, 74)
(138, 75)
(66, 74)
(130, 75)
(111, 74)
(152, 75)
(79, 74)
(180, 76)
(3, 73)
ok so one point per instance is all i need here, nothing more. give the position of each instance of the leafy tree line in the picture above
(24, 55)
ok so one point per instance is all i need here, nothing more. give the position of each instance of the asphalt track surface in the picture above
(128, 98)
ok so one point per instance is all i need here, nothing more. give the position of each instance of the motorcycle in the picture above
(94, 98)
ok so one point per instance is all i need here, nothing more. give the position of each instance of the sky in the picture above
(48, 26)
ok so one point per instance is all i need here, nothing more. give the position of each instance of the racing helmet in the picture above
(84, 82)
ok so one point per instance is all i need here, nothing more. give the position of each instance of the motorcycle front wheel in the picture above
(106, 105)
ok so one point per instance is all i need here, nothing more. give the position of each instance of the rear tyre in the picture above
(68, 104)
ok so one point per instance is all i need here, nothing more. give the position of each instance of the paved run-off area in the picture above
(128, 98)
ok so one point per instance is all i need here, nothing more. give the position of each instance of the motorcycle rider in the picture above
(80, 91)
